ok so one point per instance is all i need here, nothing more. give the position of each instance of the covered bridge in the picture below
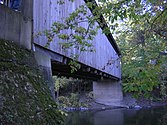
(102, 66)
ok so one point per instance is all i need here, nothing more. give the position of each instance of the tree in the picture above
(59, 83)
(141, 32)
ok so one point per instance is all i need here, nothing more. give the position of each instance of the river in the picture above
(151, 116)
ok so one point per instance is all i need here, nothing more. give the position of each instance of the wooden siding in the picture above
(46, 12)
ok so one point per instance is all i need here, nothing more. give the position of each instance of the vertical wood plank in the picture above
(46, 12)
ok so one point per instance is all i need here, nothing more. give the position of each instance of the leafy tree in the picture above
(142, 45)
(60, 82)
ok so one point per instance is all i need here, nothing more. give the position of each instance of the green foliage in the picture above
(141, 32)
(59, 83)
(141, 62)
(142, 59)
(163, 79)
(71, 101)
(74, 66)
(68, 98)
(25, 97)
(140, 80)
(70, 85)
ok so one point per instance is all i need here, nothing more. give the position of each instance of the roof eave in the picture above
(108, 35)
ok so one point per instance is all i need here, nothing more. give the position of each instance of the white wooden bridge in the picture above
(102, 66)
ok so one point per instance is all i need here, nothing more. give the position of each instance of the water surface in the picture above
(152, 116)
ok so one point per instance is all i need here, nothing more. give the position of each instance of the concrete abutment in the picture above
(44, 62)
(108, 92)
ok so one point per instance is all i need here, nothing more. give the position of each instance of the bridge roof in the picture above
(103, 26)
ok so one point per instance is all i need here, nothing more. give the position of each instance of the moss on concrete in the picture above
(24, 96)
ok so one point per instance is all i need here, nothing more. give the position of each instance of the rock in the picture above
(137, 107)
(83, 108)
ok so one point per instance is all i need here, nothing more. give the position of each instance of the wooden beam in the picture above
(95, 71)
(88, 69)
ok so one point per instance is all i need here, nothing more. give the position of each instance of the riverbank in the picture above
(128, 102)
(24, 95)
(142, 102)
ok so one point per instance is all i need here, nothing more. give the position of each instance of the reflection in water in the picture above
(109, 117)
(80, 118)
(155, 116)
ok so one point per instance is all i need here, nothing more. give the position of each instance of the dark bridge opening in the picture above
(85, 72)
